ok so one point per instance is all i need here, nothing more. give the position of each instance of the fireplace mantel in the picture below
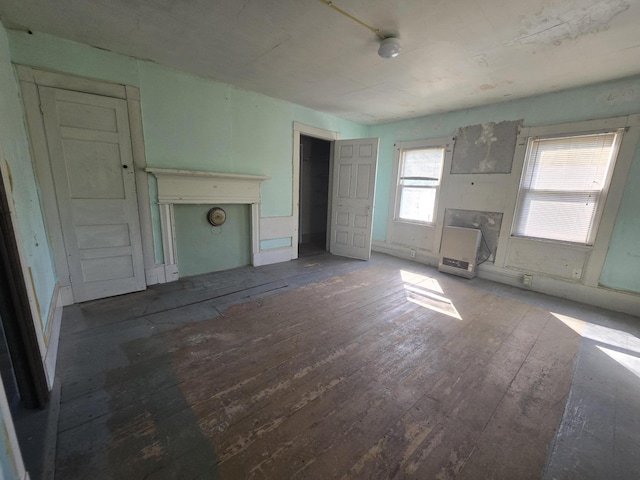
(200, 187)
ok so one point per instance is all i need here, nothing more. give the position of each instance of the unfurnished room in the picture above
(313, 239)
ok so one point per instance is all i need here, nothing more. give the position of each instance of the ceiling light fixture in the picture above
(389, 46)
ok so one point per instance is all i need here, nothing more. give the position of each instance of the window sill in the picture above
(559, 243)
(414, 222)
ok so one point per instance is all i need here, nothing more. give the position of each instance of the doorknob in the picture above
(125, 166)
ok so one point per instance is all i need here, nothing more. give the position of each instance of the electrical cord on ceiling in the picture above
(389, 45)
(357, 20)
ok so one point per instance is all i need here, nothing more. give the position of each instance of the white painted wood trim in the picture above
(171, 272)
(597, 296)
(276, 227)
(53, 336)
(70, 82)
(592, 268)
(603, 124)
(66, 294)
(155, 275)
(302, 129)
(174, 173)
(255, 231)
(422, 256)
(142, 185)
(169, 251)
(198, 187)
(44, 175)
(274, 255)
(30, 78)
(449, 143)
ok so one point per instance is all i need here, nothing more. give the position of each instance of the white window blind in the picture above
(562, 186)
(418, 183)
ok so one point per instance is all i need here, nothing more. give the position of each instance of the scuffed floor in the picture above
(321, 368)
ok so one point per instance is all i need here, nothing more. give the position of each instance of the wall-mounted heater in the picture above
(459, 251)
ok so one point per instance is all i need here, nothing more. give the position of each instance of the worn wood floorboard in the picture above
(320, 368)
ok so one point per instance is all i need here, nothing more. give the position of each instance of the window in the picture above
(419, 173)
(563, 186)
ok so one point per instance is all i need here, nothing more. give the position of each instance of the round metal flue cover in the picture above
(216, 216)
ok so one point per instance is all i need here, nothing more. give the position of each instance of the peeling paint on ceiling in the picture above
(561, 20)
(456, 54)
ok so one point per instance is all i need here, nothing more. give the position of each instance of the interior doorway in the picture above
(21, 369)
(315, 161)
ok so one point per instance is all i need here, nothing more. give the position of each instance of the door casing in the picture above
(32, 78)
(302, 129)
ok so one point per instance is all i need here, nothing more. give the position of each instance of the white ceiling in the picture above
(457, 53)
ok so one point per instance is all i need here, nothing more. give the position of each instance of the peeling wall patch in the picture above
(485, 148)
(560, 20)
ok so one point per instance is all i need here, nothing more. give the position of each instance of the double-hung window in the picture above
(419, 177)
(563, 186)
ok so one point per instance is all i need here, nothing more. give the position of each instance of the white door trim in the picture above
(302, 129)
(30, 79)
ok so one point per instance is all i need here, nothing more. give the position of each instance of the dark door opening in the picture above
(21, 368)
(315, 157)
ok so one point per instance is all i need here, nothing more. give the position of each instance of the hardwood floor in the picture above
(318, 368)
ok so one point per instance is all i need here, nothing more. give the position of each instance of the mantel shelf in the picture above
(193, 186)
(171, 172)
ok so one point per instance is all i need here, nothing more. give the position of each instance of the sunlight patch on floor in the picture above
(630, 362)
(426, 299)
(422, 280)
(601, 334)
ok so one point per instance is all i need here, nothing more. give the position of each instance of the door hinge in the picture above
(41, 109)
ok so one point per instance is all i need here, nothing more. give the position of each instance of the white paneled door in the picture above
(94, 178)
(354, 179)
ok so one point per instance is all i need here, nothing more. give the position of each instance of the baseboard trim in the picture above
(67, 295)
(54, 323)
(274, 255)
(155, 275)
(617, 301)
(400, 251)
(171, 273)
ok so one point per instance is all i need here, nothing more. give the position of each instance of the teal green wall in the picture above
(622, 268)
(204, 248)
(596, 101)
(621, 97)
(30, 224)
(15, 147)
(194, 123)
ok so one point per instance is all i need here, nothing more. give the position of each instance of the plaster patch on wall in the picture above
(618, 96)
(488, 222)
(485, 148)
(560, 20)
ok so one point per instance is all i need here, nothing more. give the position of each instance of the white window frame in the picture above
(399, 148)
(603, 195)
(598, 251)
